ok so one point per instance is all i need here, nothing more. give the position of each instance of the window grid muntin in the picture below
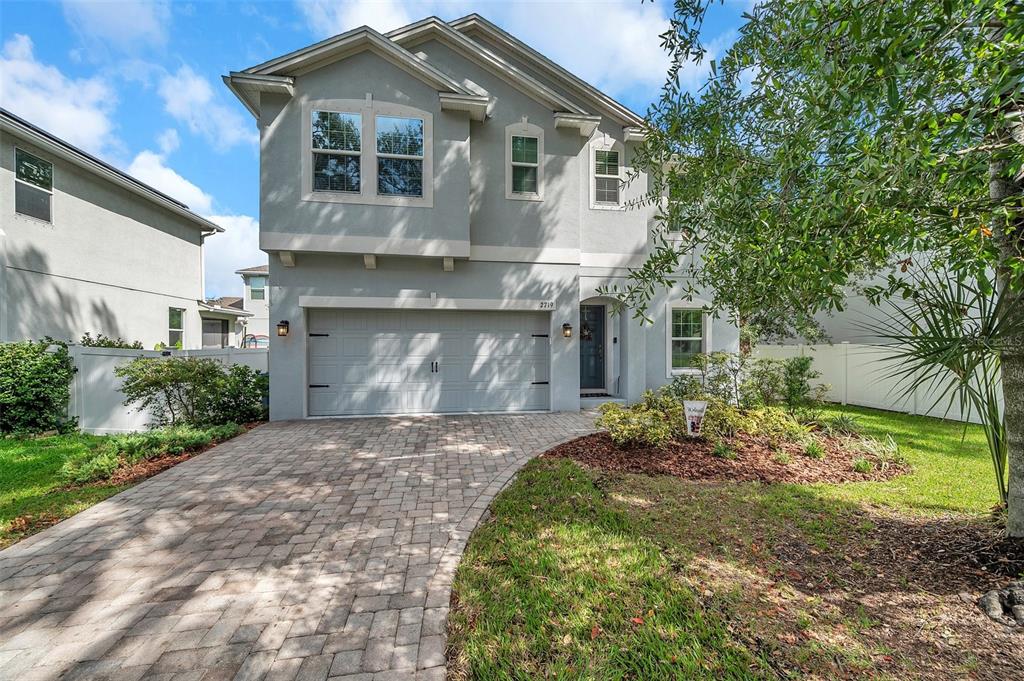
(686, 335)
(257, 288)
(525, 173)
(33, 196)
(337, 169)
(399, 159)
(606, 176)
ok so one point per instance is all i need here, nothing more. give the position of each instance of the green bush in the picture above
(798, 372)
(684, 387)
(782, 457)
(722, 450)
(671, 410)
(636, 425)
(862, 465)
(764, 385)
(841, 424)
(814, 449)
(193, 391)
(775, 424)
(100, 463)
(101, 341)
(34, 387)
(721, 420)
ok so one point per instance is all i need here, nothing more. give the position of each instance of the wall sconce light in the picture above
(282, 328)
(567, 330)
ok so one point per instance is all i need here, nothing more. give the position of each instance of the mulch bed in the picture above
(756, 460)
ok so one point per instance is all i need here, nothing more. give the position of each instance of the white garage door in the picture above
(416, 361)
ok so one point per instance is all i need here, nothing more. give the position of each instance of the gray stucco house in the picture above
(440, 205)
(86, 248)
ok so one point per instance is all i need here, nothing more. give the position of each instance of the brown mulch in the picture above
(755, 461)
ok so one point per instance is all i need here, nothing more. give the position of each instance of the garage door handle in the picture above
(319, 385)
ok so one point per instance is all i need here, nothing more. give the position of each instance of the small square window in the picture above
(524, 180)
(607, 163)
(524, 149)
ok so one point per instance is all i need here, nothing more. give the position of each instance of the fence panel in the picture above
(859, 374)
(96, 397)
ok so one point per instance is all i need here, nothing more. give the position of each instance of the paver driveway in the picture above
(300, 550)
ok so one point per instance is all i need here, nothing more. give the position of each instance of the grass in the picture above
(45, 480)
(30, 482)
(588, 574)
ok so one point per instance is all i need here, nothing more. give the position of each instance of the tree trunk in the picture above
(1001, 188)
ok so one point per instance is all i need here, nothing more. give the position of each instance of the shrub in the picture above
(886, 451)
(722, 450)
(775, 424)
(841, 424)
(684, 387)
(721, 420)
(34, 387)
(96, 464)
(814, 449)
(101, 341)
(671, 410)
(798, 372)
(764, 385)
(862, 465)
(719, 374)
(782, 457)
(193, 391)
(637, 425)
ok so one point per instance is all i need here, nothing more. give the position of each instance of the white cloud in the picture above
(119, 23)
(77, 110)
(151, 168)
(233, 249)
(168, 141)
(190, 98)
(329, 17)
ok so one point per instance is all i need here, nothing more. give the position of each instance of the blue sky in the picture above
(138, 83)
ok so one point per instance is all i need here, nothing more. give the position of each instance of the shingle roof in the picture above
(228, 301)
(257, 269)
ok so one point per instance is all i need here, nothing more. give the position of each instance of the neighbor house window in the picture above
(399, 156)
(686, 336)
(606, 176)
(525, 161)
(257, 288)
(175, 327)
(337, 147)
(33, 186)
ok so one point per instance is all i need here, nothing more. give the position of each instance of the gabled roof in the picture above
(278, 74)
(434, 28)
(220, 306)
(256, 269)
(18, 126)
(576, 85)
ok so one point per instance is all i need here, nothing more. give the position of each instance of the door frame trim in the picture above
(603, 388)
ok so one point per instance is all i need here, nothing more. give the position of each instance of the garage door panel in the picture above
(383, 361)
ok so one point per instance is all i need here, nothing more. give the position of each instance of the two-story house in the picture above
(85, 248)
(441, 206)
(256, 299)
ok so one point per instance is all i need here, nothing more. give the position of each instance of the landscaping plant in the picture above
(34, 387)
(636, 425)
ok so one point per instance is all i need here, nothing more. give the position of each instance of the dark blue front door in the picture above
(591, 347)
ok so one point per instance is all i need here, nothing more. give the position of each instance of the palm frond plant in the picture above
(945, 338)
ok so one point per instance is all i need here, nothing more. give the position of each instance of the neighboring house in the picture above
(440, 206)
(224, 322)
(87, 248)
(256, 299)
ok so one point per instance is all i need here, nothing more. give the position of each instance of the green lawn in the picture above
(29, 482)
(590, 574)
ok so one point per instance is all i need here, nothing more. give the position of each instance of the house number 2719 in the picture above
(547, 305)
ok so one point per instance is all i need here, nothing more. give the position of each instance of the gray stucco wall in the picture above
(109, 262)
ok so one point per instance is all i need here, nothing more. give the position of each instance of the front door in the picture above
(592, 347)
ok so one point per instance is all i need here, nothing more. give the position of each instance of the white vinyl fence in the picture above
(96, 397)
(858, 374)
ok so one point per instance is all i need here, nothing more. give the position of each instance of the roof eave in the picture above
(586, 124)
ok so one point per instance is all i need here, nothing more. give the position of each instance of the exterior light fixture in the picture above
(282, 328)
(567, 330)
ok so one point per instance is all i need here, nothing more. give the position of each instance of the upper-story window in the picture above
(524, 161)
(257, 288)
(33, 186)
(606, 176)
(399, 156)
(337, 145)
(368, 152)
(606, 166)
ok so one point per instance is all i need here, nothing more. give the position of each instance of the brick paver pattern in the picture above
(300, 550)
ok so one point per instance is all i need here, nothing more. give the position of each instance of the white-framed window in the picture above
(175, 327)
(524, 162)
(687, 334)
(399, 156)
(336, 140)
(257, 288)
(607, 164)
(33, 186)
(367, 152)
